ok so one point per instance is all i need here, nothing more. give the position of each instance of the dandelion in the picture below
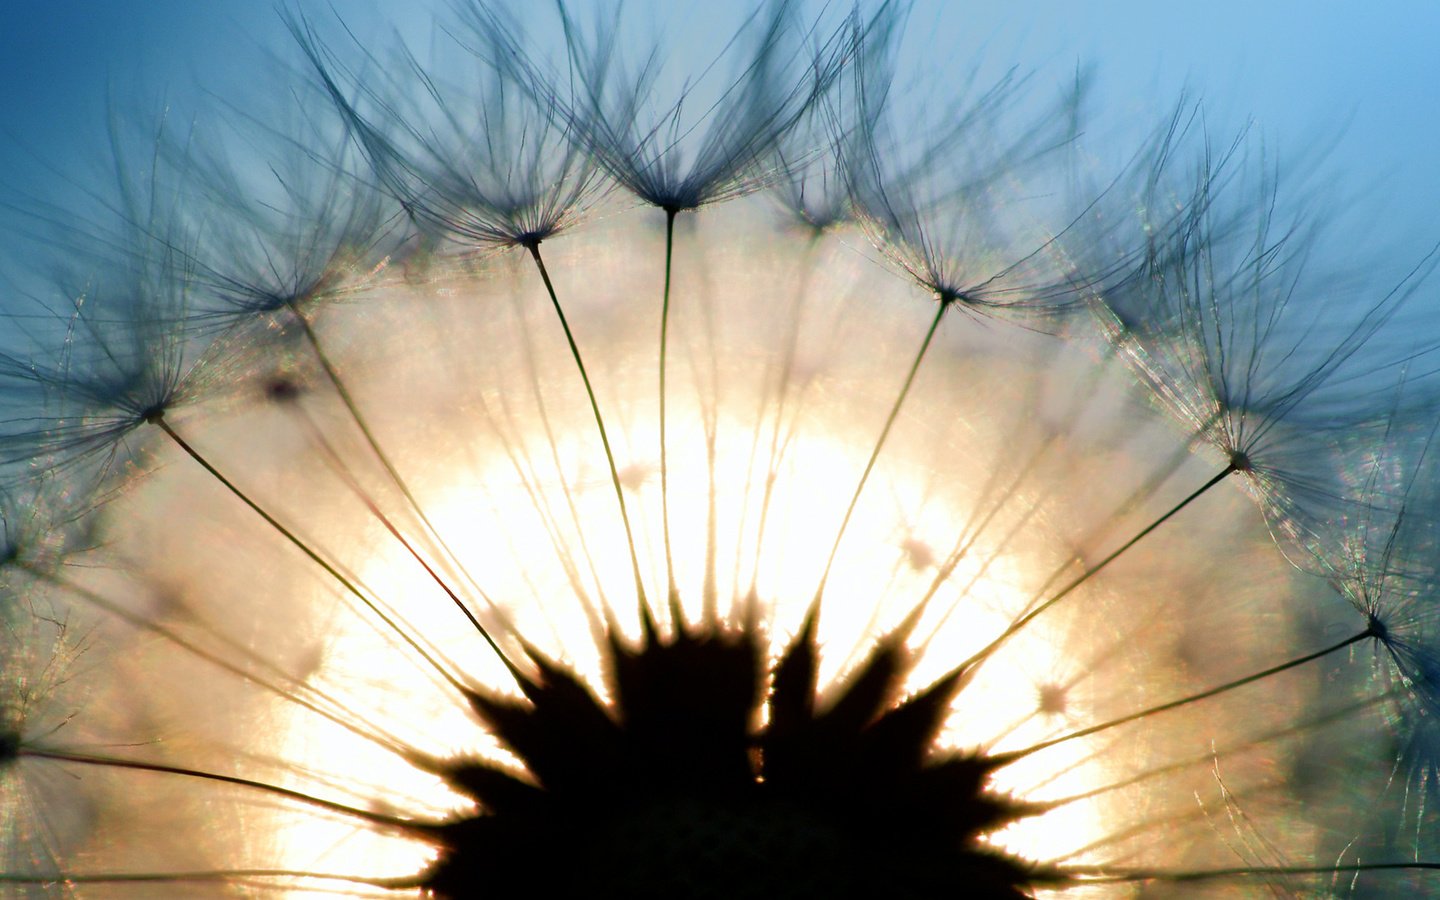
(366, 548)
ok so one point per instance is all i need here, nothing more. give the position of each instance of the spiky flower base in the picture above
(692, 782)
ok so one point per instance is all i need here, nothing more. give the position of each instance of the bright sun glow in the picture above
(984, 503)
(759, 481)
(502, 532)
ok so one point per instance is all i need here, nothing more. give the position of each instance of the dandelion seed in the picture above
(1236, 337)
(510, 173)
(375, 608)
(108, 350)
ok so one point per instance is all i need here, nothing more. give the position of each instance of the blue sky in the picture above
(1363, 77)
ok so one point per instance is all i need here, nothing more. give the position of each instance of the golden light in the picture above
(1012, 459)
(771, 425)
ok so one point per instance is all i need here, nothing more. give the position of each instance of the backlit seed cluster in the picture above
(550, 465)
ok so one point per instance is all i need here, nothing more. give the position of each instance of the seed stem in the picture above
(210, 875)
(379, 738)
(875, 453)
(300, 796)
(1120, 876)
(534, 249)
(1213, 754)
(347, 584)
(672, 591)
(347, 476)
(353, 408)
(1020, 623)
(778, 403)
(1007, 758)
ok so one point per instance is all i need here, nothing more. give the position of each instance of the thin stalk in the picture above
(565, 553)
(1169, 824)
(971, 534)
(875, 453)
(1007, 758)
(672, 591)
(211, 875)
(347, 584)
(600, 423)
(379, 738)
(1099, 875)
(353, 408)
(778, 403)
(704, 368)
(378, 514)
(265, 787)
(710, 606)
(1094, 570)
(1211, 755)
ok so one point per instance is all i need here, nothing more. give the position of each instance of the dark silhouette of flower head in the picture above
(673, 790)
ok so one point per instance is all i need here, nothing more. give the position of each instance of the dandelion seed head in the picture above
(482, 472)
(711, 558)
